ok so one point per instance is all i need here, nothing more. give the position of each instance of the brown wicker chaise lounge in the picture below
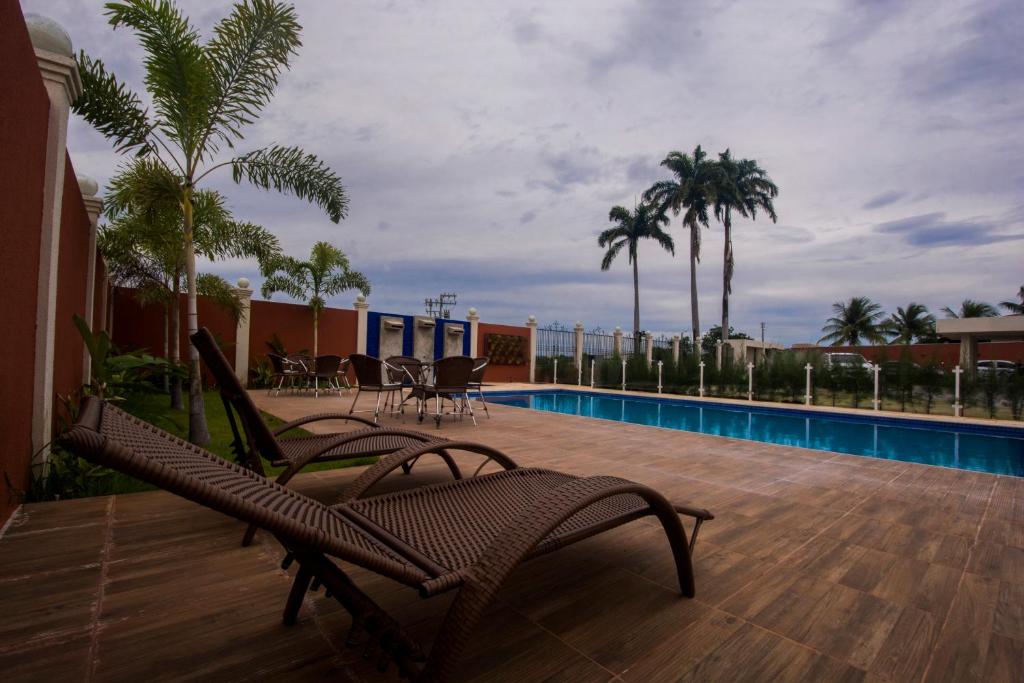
(293, 453)
(466, 535)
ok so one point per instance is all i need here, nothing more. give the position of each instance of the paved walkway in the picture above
(818, 567)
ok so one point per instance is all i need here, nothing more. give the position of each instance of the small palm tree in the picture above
(1015, 307)
(690, 191)
(203, 95)
(855, 321)
(910, 323)
(645, 222)
(144, 248)
(971, 309)
(325, 274)
(742, 187)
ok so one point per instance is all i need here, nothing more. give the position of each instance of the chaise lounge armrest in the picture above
(319, 417)
(441, 448)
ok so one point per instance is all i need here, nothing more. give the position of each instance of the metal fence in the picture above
(598, 345)
(555, 341)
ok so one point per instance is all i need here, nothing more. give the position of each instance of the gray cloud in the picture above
(472, 121)
(884, 199)
(933, 230)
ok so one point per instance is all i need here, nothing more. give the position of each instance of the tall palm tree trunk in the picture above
(726, 279)
(694, 307)
(167, 345)
(176, 402)
(198, 433)
(636, 306)
(316, 333)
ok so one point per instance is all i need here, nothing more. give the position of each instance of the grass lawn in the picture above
(155, 408)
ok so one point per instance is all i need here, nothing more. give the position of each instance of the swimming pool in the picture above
(999, 450)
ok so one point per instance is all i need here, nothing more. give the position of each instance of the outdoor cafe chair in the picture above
(449, 382)
(284, 373)
(373, 374)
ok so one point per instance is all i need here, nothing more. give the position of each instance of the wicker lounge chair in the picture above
(297, 452)
(479, 529)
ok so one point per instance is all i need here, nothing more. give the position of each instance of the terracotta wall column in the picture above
(93, 207)
(242, 331)
(362, 322)
(60, 77)
(531, 323)
(474, 332)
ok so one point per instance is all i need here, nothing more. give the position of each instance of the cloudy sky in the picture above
(482, 144)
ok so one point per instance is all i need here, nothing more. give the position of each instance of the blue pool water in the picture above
(999, 450)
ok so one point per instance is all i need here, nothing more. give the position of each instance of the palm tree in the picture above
(910, 323)
(202, 95)
(325, 274)
(644, 222)
(742, 187)
(145, 250)
(854, 321)
(1015, 307)
(691, 190)
(971, 309)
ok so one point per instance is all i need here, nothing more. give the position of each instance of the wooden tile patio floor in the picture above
(818, 567)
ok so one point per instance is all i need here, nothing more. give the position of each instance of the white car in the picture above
(999, 367)
(849, 360)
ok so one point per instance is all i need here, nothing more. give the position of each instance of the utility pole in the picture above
(762, 334)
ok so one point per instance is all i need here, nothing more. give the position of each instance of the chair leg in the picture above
(483, 401)
(355, 400)
(297, 594)
(376, 408)
(469, 407)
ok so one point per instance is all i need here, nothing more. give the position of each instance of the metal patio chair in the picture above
(373, 374)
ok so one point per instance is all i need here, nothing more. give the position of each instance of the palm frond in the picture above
(281, 282)
(178, 73)
(289, 169)
(143, 185)
(613, 251)
(250, 49)
(221, 292)
(112, 108)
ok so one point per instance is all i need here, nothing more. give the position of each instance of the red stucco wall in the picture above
(947, 355)
(72, 267)
(24, 109)
(504, 373)
(138, 326)
(293, 323)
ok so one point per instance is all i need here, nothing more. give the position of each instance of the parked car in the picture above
(999, 367)
(847, 360)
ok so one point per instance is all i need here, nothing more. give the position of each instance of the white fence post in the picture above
(701, 378)
(531, 324)
(659, 376)
(578, 340)
(877, 403)
(957, 408)
(623, 374)
(579, 375)
(807, 394)
(591, 373)
(554, 371)
(750, 381)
